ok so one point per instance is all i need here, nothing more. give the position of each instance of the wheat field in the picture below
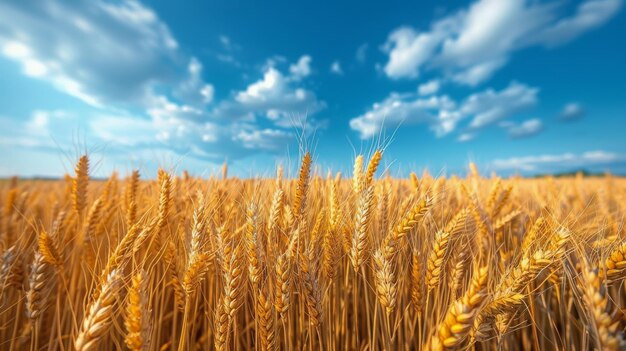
(319, 262)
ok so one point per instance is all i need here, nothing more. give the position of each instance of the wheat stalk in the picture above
(359, 249)
(137, 317)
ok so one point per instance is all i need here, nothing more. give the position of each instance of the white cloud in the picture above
(335, 68)
(15, 50)
(470, 45)
(97, 51)
(276, 97)
(129, 135)
(488, 32)
(267, 139)
(161, 108)
(145, 92)
(429, 88)
(525, 129)
(590, 14)
(231, 127)
(490, 106)
(275, 91)
(194, 90)
(572, 111)
(207, 93)
(259, 118)
(268, 88)
(408, 49)
(443, 114)
(400, 109)
(551, 162)
(478, 73)
(302, 68)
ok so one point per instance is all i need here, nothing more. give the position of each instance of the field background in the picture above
(334, 262)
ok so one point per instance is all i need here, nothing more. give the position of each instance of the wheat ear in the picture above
(137, 317)
(371, 168)
(302, 186)
(79, 184)
(312, 291)
(596, 301)
(221, 325)
(283, 286)
(39, 287)
(359, 248)
(386, 287)
(131, 199)
(252, 244)
(416, 281)
(267, 325)
(48, 249)
(99, 315)
(434, 263)
(234, 281)
(165, 199)
(357, 175)
(460, 317)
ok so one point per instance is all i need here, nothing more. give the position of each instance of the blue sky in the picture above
(514, 86)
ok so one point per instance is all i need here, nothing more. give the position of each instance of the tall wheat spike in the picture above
(460, 317)
(267, 326)
(360, 249)
(594, 296)
(302, 185)
(79, 184)
(40, 285)
(99, 315)
(137, 317)
(357, 175)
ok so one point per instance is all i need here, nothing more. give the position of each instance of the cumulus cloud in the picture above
(144, 92)
(194, 89)
(267, 90)
(401, 109)
(409, 49)
(523, 130)
(565, 161)
(572, 111)
(258, 118)
(469, 46)
(302, 68)
(84, 48)
(443, 114)
(275, 96)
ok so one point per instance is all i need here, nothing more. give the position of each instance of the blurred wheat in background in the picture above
(318, 262)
